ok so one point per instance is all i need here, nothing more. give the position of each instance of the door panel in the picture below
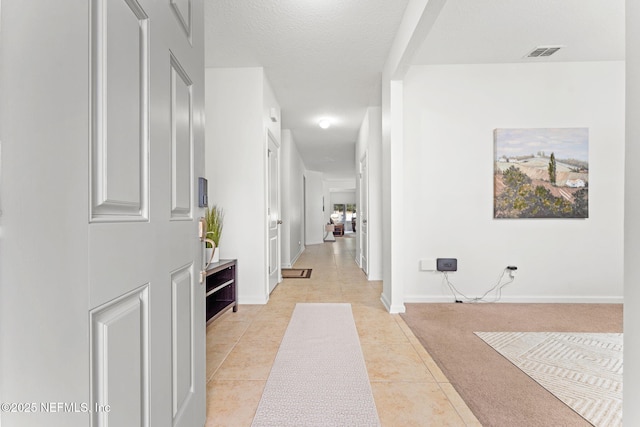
(182, 339)
(181, 142)
(120, 110)
(182, 10)
(120, 351)
(273, 258)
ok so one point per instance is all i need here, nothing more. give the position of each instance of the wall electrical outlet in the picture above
(447, 264)
(428, 264)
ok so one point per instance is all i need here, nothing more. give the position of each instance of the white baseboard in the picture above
(252, 300)
(428, 299)
(295, 258)
(393, 309)
(293, 261)
(523, 299)
(397, 308)
(385, 302)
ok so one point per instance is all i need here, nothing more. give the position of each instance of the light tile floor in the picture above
(408, 387)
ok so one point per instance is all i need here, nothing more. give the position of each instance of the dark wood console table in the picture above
(222, 288)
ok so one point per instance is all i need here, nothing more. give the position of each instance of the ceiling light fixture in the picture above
(324, 123)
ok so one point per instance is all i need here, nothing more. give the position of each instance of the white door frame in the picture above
(273, 221)
(362, 218)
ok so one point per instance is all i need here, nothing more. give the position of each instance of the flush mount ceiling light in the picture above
(324, 123)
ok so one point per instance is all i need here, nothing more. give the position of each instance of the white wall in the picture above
(285, 196)
(237, 105)
(392, 195)
(343, 197)
(340, 184)
(326, 203)
(374, 219)
(292, 178)
(314, 217)
(449, 115)
(419, 16)
(44, 128)
(632, 222)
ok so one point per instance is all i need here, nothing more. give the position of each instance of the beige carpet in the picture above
(498, 393)
(583, 370)
(319, 377)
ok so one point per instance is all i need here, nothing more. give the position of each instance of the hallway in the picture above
(408, 387)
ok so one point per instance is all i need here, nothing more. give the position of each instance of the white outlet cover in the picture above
(428, 264)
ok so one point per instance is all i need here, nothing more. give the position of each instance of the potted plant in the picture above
(213, 217)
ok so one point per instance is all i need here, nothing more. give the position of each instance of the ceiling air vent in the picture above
(542, 51)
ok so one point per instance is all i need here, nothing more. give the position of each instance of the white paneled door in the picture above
(363, 215)
(147, 317)
(113, 92)
(273, 180)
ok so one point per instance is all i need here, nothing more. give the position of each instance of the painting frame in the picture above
(541, 173)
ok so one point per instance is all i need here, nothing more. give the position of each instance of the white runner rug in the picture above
(319, 377)
(583, 370)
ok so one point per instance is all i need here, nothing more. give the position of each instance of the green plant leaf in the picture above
(214, 219)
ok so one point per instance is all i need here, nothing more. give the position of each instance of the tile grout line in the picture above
(347, 289)
(232, 347)
(464, 412)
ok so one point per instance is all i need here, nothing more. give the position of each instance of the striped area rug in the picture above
(319, 377)
(583, 370)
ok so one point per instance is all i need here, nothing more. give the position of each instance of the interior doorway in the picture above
(362, 215)
(304, 209)
(273, 208)
(345, 214)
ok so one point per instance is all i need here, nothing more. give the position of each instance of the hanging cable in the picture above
(497, 288)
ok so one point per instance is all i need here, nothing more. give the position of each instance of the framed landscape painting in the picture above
(541, 173)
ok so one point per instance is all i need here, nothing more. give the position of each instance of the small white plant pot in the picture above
(216, 255)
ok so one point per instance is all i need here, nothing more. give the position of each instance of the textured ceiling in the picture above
(503, 31)
(323, 58)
